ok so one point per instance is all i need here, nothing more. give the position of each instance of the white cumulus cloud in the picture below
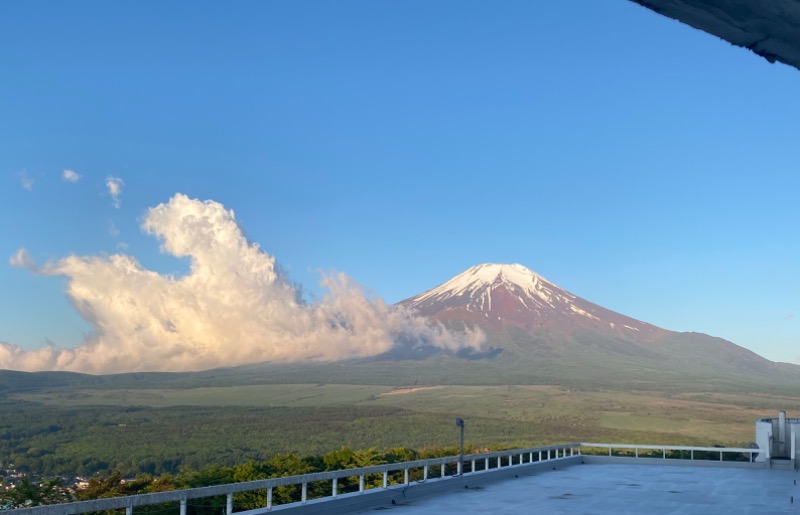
(114, 186)
(71, 176)
(233, 307)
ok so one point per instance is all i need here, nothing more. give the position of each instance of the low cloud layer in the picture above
(233, 307)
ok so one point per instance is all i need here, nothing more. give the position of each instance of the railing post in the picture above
(720, 455)
(335, 487)
(459, 472)
(269, 498)
(472, 469)
(486, 464)
(304, 493)
(530, 457)
(385, 479)
(664, 453)
(540, 455)
(361, 483)
(425, 473)
(229, 504)
(499, 462)
(691, 455)
(442, 469)
(405, 476)
(183, 506)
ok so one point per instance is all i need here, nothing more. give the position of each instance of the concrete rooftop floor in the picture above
(619, 488)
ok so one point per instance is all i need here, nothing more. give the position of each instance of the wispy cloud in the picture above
(114, 186)
(70, 176)
(112, 229)
(25, 180)
(235, 306)
(22, 259)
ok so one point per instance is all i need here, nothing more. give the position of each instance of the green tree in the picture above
(288, 464)
(28, 493)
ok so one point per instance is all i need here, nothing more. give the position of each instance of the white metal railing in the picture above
(435, 469)
(671, 451)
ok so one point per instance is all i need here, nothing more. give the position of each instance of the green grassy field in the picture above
(156, 430)
(700, 416)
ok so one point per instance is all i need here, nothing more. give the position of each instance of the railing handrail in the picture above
(671, 447)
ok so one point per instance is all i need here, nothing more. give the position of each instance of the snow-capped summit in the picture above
(476, 285)
(493, 295)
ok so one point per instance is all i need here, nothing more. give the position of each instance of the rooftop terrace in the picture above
(570, 478)
(621, 488)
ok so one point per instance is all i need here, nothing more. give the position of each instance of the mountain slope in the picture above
(493, 296)
(545, 327)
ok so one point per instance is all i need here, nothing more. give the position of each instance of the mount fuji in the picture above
(492, 296)
(538, 328)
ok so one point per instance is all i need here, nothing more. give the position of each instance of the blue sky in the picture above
(645, 166)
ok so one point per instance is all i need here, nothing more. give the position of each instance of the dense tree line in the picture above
(69, 441)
